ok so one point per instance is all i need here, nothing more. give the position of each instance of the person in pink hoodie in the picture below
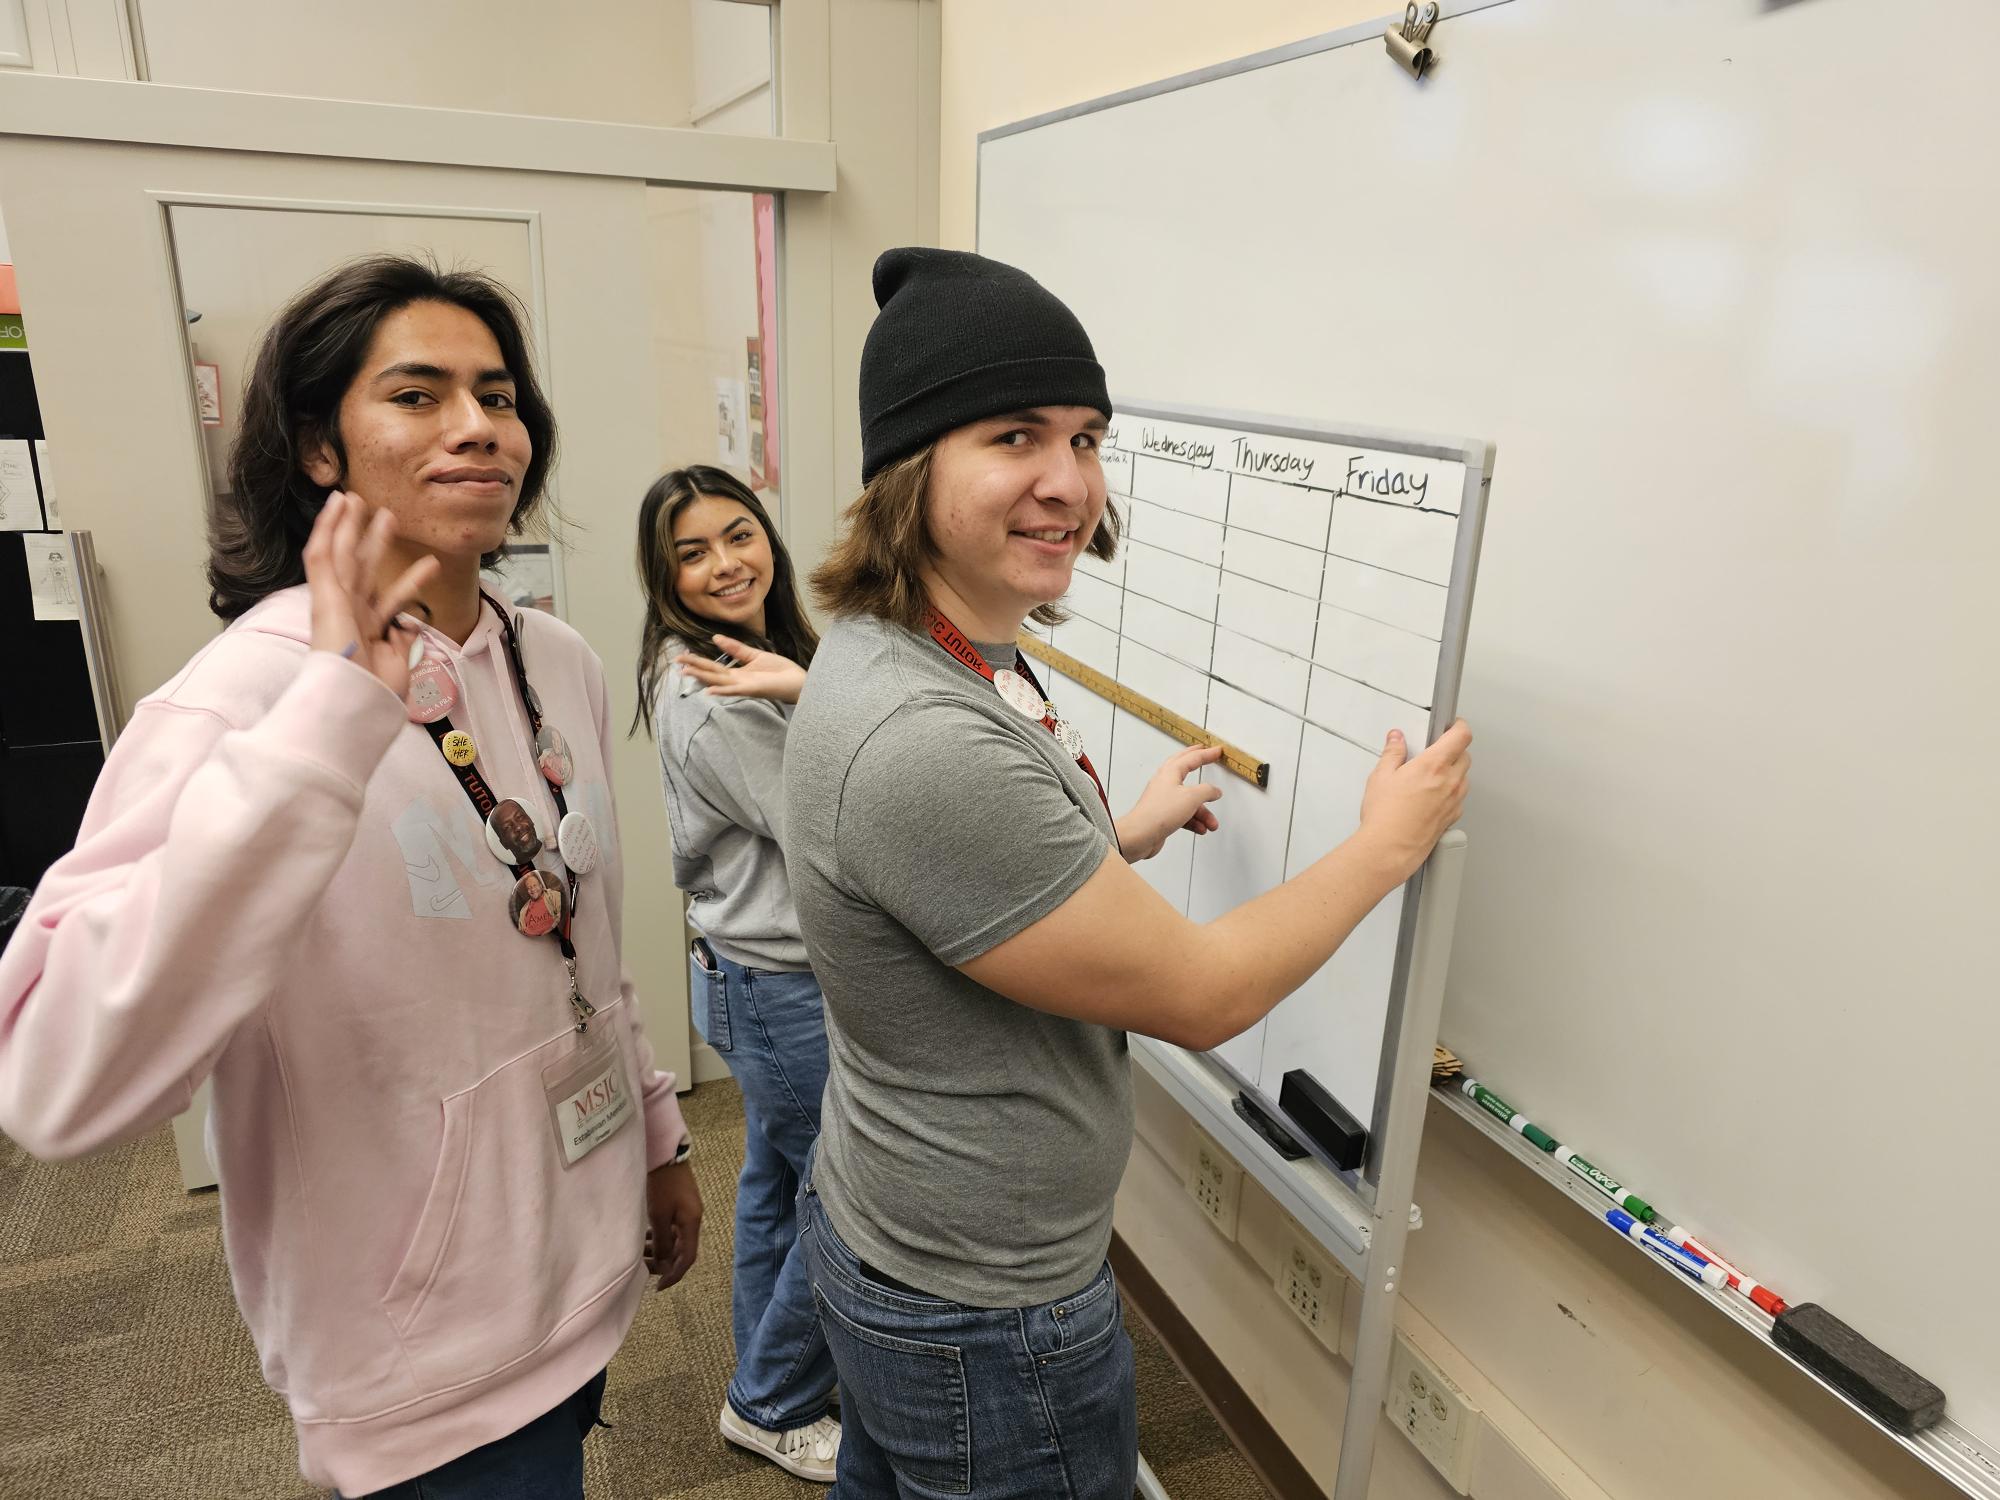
(448, 1163)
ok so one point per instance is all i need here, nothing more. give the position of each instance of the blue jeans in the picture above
(937, 1398)
(542, 1461)
(771, 1030)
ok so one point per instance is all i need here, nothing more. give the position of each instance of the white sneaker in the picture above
(810, 1452)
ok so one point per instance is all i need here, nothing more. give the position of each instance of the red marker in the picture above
(1758, 1293)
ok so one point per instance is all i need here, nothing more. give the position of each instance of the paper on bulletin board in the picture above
(732, 425)
(52, 577)
(49, 510)
(20, 505)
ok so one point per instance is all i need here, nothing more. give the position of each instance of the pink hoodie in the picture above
(281, 886)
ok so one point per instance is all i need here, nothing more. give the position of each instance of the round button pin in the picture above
(512, 834)
(536, 903)
(576, 839)
(1070, 738)
(552, 756)
(433, 691)
(1015, 689)
(458, 747)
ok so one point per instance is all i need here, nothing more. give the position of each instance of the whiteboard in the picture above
(1299, 592)
(1717, 279)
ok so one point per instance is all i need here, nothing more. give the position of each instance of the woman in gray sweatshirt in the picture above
(720, 666)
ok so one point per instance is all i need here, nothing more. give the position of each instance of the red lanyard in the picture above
(953, 640)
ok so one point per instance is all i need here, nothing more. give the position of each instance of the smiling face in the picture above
(431, 434)
(722, 563)
(1012, 501)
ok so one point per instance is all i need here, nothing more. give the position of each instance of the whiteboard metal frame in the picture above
(1367, 1236)
(1476, 455)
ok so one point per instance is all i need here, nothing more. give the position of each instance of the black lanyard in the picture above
(483, 800)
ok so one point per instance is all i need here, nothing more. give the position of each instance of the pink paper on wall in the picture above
(765, 219)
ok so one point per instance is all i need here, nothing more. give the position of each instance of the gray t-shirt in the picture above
(722, 762)
(969, 1145)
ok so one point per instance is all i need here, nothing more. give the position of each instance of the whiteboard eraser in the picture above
(1318, 1114)
(1879, 1383)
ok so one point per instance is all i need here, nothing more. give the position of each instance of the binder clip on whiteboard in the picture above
(1410, 43)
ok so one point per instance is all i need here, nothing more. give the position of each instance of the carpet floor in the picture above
(125, 1371)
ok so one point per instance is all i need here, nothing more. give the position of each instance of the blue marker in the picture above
(1691, 1266)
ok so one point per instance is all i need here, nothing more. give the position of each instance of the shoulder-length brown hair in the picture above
(885, 540)
(787, 630)
(309, 357)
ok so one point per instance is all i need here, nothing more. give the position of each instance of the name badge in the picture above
(590, 1096)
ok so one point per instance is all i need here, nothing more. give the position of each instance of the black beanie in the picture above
(960, 338)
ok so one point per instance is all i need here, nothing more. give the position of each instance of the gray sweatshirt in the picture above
(722, 761)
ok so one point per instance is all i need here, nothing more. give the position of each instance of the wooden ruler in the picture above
(1242, 762)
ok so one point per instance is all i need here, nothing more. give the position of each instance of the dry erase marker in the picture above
(1756, 1291)
(1632, 1203)
(1502, 1111)
(1651, 1240)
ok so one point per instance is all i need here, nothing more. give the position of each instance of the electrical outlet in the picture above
(1215, 1183)
(1312, 1289)
(1435, 1414)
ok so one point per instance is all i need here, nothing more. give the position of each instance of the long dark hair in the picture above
(310, 355)
(787, 630)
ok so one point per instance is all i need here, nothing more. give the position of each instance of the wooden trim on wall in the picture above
(1255, 1438)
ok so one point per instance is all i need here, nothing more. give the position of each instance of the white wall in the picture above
(622, 61)
(1594, 1377)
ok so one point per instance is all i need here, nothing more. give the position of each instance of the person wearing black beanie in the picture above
(969, 907)
(960, 337)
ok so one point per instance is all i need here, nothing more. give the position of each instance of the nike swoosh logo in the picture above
(449, 898)
(427, 872)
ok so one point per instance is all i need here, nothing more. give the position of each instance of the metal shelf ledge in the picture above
(1973, 1466)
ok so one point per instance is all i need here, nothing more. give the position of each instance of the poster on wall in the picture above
(732, 429)
(208, 392)
(525, 576)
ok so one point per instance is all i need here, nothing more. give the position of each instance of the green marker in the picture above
(1502, 1111)
(1632, 1203)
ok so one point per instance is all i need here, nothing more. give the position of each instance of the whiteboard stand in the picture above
(1149, 1483)
(1366, 1234)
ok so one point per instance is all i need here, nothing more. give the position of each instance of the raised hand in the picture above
(1168, 803)
(753, 674)
(351, 617)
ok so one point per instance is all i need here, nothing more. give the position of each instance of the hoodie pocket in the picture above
(510, 1245)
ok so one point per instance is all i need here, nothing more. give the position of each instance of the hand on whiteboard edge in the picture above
(1410, 801)
(1168, 803)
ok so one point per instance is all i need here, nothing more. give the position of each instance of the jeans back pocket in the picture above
(913, 1391)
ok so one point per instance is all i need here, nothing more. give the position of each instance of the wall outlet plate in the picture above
(1215, 1183)
(1434, 1413)
(1312, 1287)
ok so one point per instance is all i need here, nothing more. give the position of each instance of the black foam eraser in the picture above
(1316, 1112)
(1878, 1382)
